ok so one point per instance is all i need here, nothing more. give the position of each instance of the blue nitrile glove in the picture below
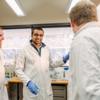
(66, 57)
(33, 88)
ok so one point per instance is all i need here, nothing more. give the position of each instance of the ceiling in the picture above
(38, 12)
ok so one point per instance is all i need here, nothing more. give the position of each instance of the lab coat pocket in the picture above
(49, 90)
(30, 94)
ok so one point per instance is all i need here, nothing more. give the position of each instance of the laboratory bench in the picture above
(59, 88)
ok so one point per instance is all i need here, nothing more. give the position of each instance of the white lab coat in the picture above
(84, 82)
(31, 66)
(3, 90)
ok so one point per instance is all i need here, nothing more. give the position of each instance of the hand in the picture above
(32, 87)
(66, 57)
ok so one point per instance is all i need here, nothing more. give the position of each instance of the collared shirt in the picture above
(39, 48)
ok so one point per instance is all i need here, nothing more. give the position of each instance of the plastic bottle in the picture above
(13, 67)
(10, 70)
(66, 73)
(58, 75)
(5, 69)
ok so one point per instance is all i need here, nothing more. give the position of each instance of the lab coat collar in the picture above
(90, 24)
(43, 45)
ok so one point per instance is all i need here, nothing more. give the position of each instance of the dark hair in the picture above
(36, 28)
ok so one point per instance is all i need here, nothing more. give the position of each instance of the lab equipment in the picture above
(9, 70)
(59, 72)
(54, 76)
(66, 73)
(58, 75)
(52, 72)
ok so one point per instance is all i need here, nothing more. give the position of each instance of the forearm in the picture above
(22, 76)
(57, 63)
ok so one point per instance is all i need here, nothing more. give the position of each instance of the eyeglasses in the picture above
(41, 35)
(1, 34)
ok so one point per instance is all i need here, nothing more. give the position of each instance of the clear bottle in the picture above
(9, 70)
(58, 75)
(66, 73)
(5, 69)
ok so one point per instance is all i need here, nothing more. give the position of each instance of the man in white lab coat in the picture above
(3, 91)
(84, 82)
(32, 67)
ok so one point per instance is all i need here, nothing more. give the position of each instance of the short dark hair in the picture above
(36, 28)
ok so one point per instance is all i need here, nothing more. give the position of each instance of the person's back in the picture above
(85, 60)
(84, 82)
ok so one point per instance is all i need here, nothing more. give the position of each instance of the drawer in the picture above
(58, 87)
(59, 93)
(57, 98)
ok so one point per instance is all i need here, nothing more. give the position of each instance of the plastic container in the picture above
(58, 75)
(52, 72)
(61, 74)
(66, 73)
(60, 71)
(13, 67)
(7, 70)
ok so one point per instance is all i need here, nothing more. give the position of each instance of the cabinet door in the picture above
(59, 91)
(12, 93)
(20, 91)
